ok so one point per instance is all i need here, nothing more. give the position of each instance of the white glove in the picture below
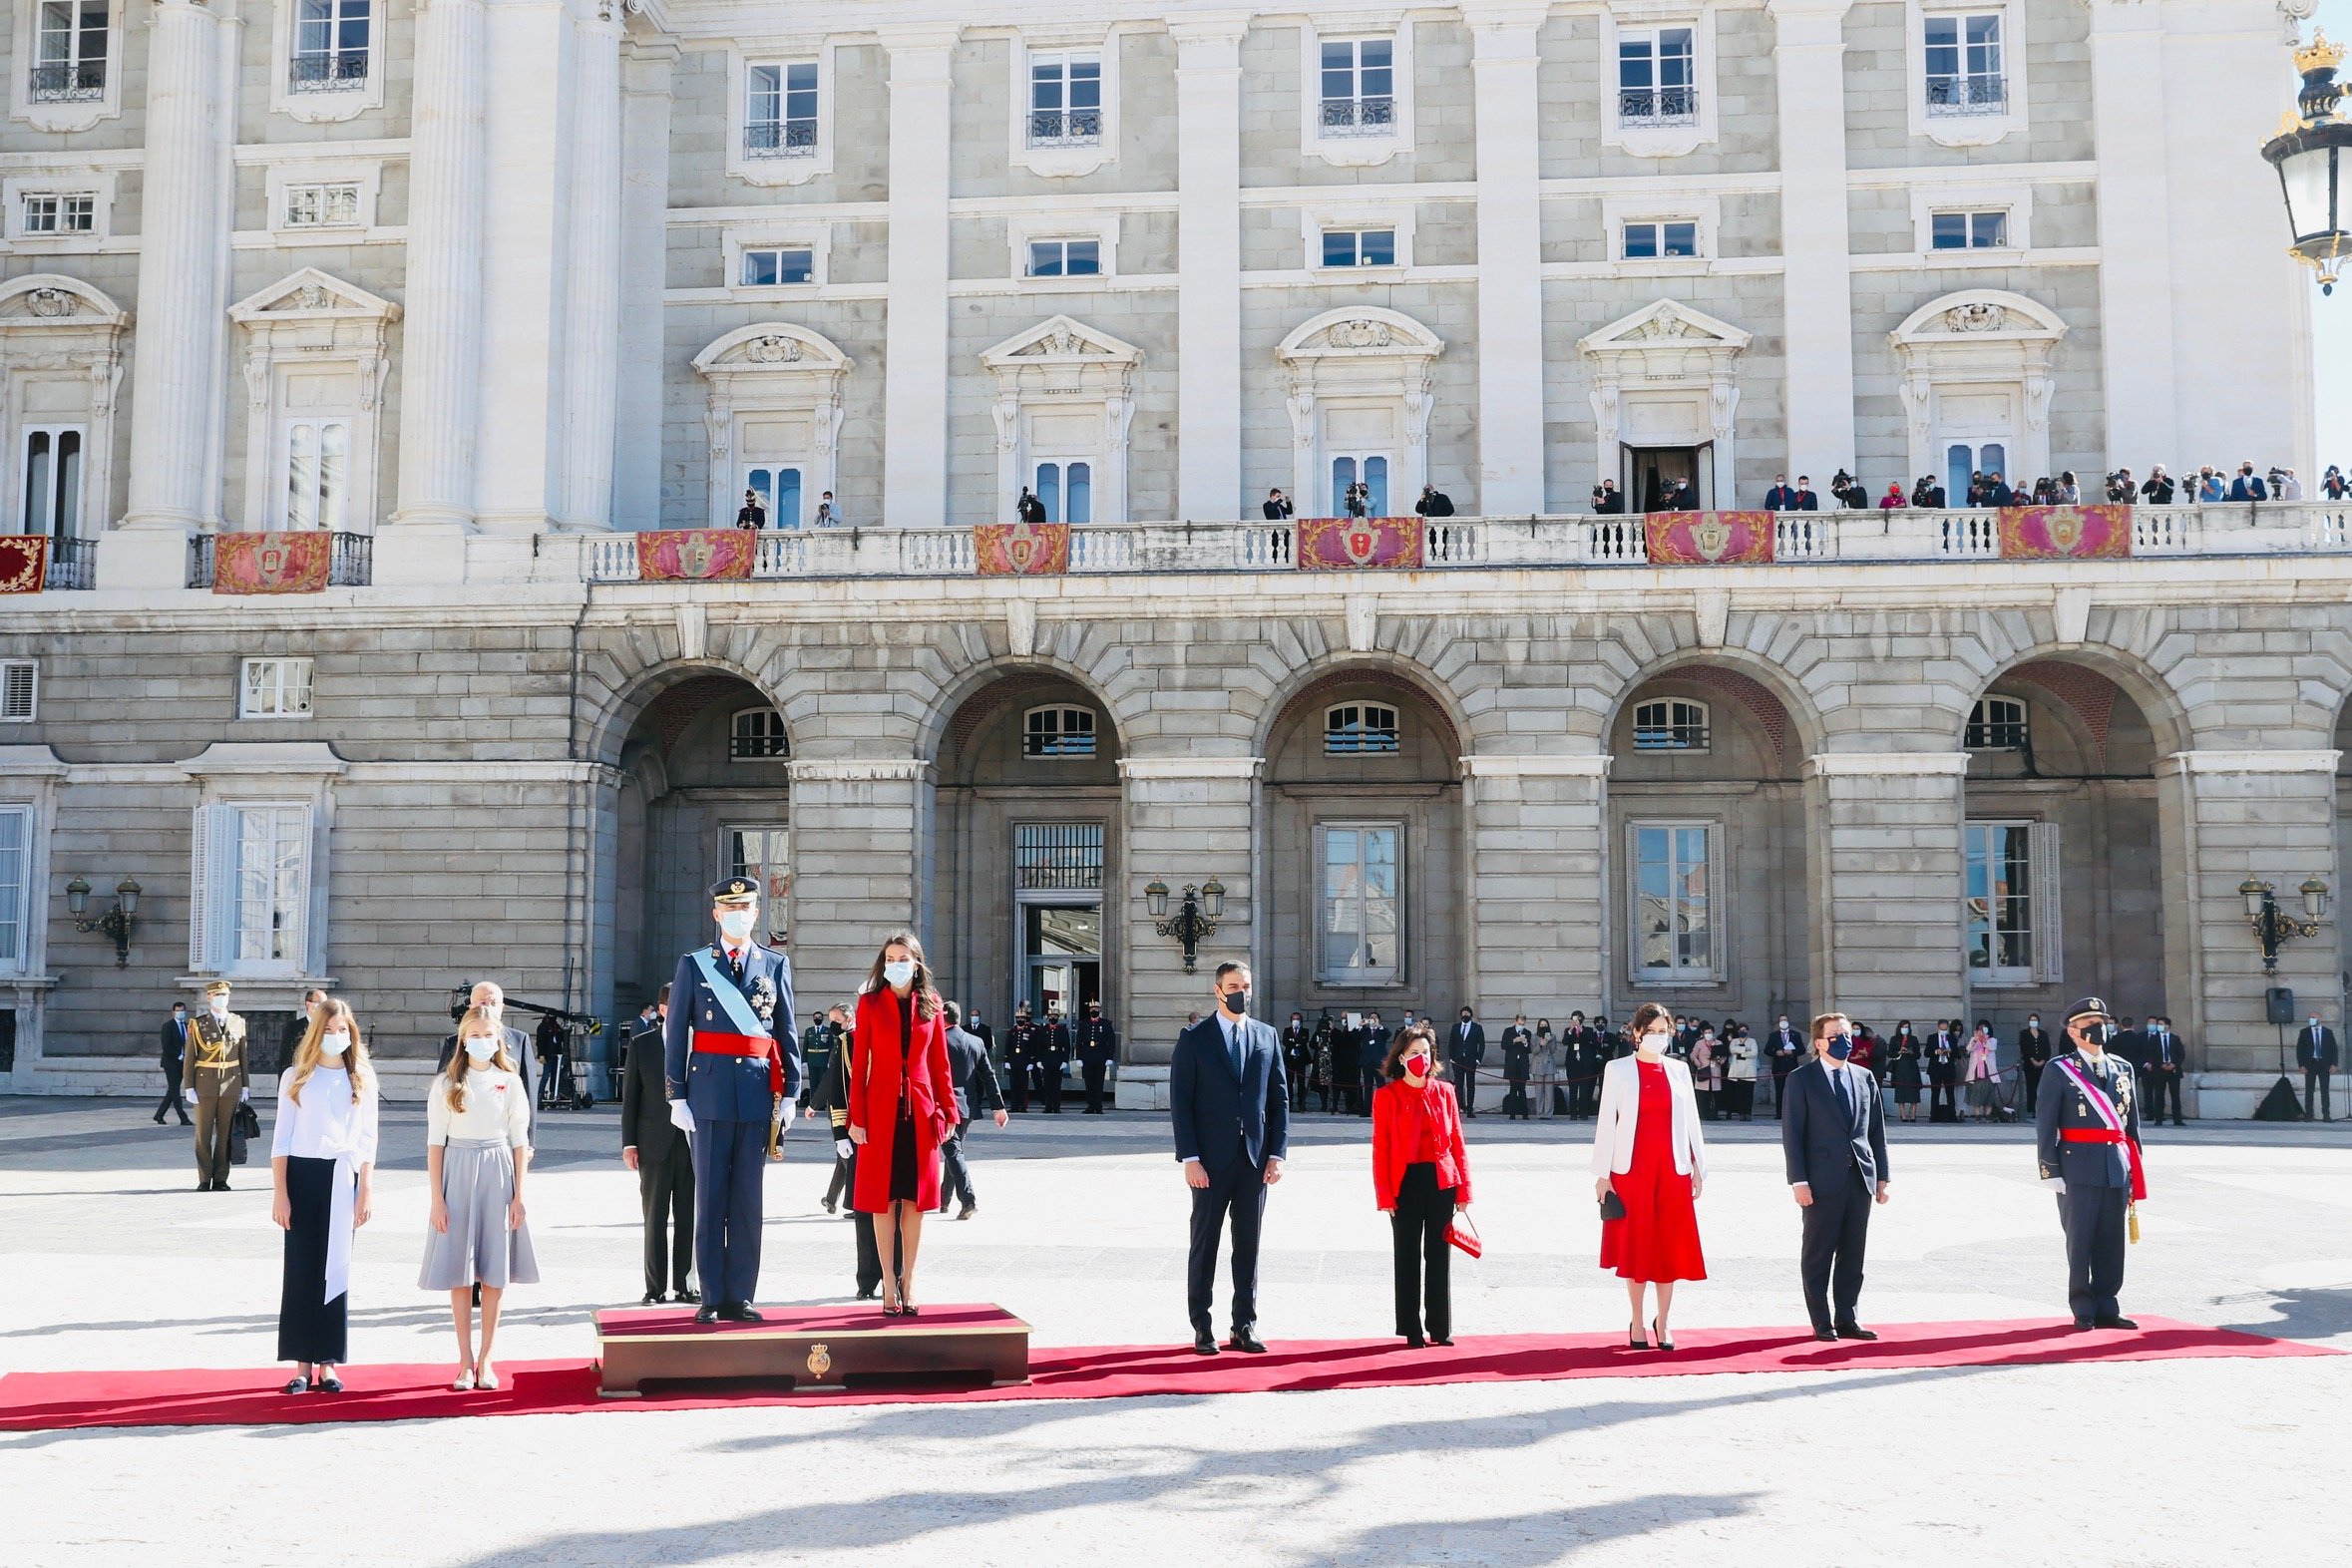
(2055, 1183)
(188, 1095)
(243, 1095)
(844, 1148)
(783, 1117)
(682, 1117)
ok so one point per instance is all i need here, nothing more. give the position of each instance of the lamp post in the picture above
(2312, 153)
(2272, 926)
(1195, 919)
(115, 921)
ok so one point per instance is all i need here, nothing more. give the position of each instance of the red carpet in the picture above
(41, 1402)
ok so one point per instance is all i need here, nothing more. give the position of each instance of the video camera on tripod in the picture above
(561, 1033)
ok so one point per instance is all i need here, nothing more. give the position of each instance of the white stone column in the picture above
(1208, 264)
(1535, 829)
(1816, 269)
(1510, 257)
(860, 831)
(1885, 882)
(173, 382)
(646, 69)
(441, 329)
(2136, 197)
(915, 368)
(591, 267)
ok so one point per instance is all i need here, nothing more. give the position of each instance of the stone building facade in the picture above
(485, 288)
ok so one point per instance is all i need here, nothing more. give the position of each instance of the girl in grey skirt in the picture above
(477, 1148)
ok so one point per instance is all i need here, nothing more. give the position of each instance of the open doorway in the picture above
(1653, 478)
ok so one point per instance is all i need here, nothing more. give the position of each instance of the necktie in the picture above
(1845, 1094)
(1233, 1049)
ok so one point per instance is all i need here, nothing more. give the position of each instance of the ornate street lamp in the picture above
(2314, 164)
(1197, 918)
(116, 922)
(2272, 926)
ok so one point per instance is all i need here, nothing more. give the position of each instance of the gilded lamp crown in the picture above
(2319, 54)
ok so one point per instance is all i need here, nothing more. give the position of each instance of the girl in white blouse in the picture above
(477, 1148)
(322, 1155)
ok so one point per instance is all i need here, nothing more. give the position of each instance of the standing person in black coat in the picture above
(1372, 1049)
(1435, 503)
(1943, 1054)
(2315, 1053)
(1298, 1056)
(173, 1043)
(1785, 1049)
(1099, 1048)
(1232, 1121)
(1055, 1047)
(1277, 507)
(1467, 1047)
(975, 1078)
(1518, 1046)
(1021, 1049)
(2033, 1054)
(658, 1152)
(2168, 1059)
(832, 1097)
(1833, 1140)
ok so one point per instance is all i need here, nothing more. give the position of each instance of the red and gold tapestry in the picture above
(23, 563)
(292, 563)
(1359, 544)
(697, 555)
(1021, 549)
(1708, 538)
(2095, 533)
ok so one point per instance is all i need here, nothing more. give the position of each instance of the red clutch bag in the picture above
(1460, 1233)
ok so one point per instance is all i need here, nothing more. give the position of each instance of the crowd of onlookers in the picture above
(2208, 486)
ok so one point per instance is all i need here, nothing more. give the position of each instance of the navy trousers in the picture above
(2096, 1236)
(1238, 1189)
(730, 1162)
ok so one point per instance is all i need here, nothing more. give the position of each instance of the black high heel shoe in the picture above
(1663, 1343)
(1635, 1339)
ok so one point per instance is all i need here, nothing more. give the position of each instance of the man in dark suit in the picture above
(1298, 1055)
(1782, 497)
(1833, 1140)
(652, 1146)
(173, 1041)
(2033, 1054)
(1099, 1048)
(2248, 484)
(1784, 1050)
(1228, 1102)
(2315, 1053)
(1466, 1048)
(2087, 1144)
(2128, 1042)
(1372, 1049)
(832, 1098)
(2164, 1057)
(1277, 507)
(491, 998)
(1806, 500)
(976, 1089)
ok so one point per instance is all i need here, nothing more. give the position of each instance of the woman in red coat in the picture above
(1421, 1180)
(902, 1100)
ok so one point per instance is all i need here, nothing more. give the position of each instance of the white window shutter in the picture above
(301, 946)
(200, 889)
(1717, 929)
(2048, 927)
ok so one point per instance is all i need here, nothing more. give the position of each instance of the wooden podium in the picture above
(810, 1347)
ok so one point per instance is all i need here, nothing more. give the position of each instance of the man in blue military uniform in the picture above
(2086, 1135)
(733, 1065)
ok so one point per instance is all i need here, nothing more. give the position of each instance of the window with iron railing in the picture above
(1656, 80)
(1996, 725)
(331, 40)
(1057, 732)
(1359, 87)
(1673, 724)
(1057, 856)
(1964, 75)
(70, 50)
(780, 111)
(1065, 99)
(1358, 730)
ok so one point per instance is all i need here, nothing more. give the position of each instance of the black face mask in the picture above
(1237, 1003)
(2096, 1034)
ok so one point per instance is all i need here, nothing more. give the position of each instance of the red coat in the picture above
(881, 1059)
(1399, 1112)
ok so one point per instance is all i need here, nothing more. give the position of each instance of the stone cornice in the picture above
(278, 759)
(1581, 765)
(859, 770)
(1823, 765)
(1190, 767)
(2279, 761)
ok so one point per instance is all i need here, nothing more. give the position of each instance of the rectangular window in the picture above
(15, 853)
(758, 735)
(1066, 259)
(780, 111)
(1649, 242)
(20, 688)
(1964, 69)
(1969, 230)
(1360, 248)
(1674, 914)
(332, 46)
(60, 213)
(274, 688)
(1058, 732)
(775, 266)
(1657, 76)
(762, 854)
(1066, 490)
(1359, 87)
(268, 883)
(1065, 99)
(325, 206)
(1057, 856)
(776, 489)
(70, 48)
(318, 469)
(51, 471)
(1361, 921)
(1999, 906)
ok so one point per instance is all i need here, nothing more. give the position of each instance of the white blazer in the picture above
(1621, 1108)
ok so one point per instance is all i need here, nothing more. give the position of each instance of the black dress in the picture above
(902, 1184)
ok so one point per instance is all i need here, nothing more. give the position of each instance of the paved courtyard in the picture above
(113, 1262)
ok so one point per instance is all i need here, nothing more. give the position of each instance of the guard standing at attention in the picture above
(1054, 1056)
(213, 1080)
(1099, 1048)
(2087, 1136)
(1022, 1048)
(733, 1068)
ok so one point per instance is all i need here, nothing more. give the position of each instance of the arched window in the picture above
(1058, 732)
(1358, 730)
(1670, 724)
(1997, 724)
(757, 735)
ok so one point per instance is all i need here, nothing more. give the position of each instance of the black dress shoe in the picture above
(688, 1295)
(650, 1298)
(2084, 1326)
(1414, 1342)
(739, 1311)
(2116, 1322)
(1446, 1341)
(1826, 1335)
(866, 1295)
(1245, 1339)
(1204, 1344)
(706, 1315)
(1855, 1331)
(159, 1118)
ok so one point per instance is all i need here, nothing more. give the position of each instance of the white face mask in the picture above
(332, 1045)
(900, 971)
(217, 1007)
(737, 923)
(1655, 1043)
(480, 1048)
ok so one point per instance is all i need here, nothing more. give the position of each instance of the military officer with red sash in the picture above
(732, 1062)
(2087, 1136)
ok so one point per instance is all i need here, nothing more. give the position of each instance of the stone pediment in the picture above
(1981, 316)
(1362, 331)
(42, 300)
(310, 294)
(1061, 340)
(771, 345)
(1668, 323)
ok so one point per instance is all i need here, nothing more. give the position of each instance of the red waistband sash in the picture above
(2113, 1132)
(711, 1044)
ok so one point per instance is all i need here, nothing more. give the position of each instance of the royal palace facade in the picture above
(482, 290)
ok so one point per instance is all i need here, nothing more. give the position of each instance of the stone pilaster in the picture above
(1884, 869)
(1536, 905)
(1816, 269)
(591, 293)
(858, 830)
(914, 370)
(1510, 257)
(1208, 264)
(2137, 182)
(647, 70)
(1188, 820)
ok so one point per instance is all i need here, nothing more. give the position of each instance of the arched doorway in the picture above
(705, 792)
(1363, 853)
(1707, 849)
(1027, 811)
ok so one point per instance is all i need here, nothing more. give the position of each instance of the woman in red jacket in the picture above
(902, 1102)
(1421, 1179)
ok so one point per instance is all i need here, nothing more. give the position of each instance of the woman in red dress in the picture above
(1647, 1150)
(902, 1102)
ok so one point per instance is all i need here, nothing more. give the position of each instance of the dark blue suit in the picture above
(2094, 1208)
(1837, 1146)
(732, 1101)
(1233, 1123)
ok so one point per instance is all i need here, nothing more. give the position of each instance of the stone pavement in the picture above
(113, 1261)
